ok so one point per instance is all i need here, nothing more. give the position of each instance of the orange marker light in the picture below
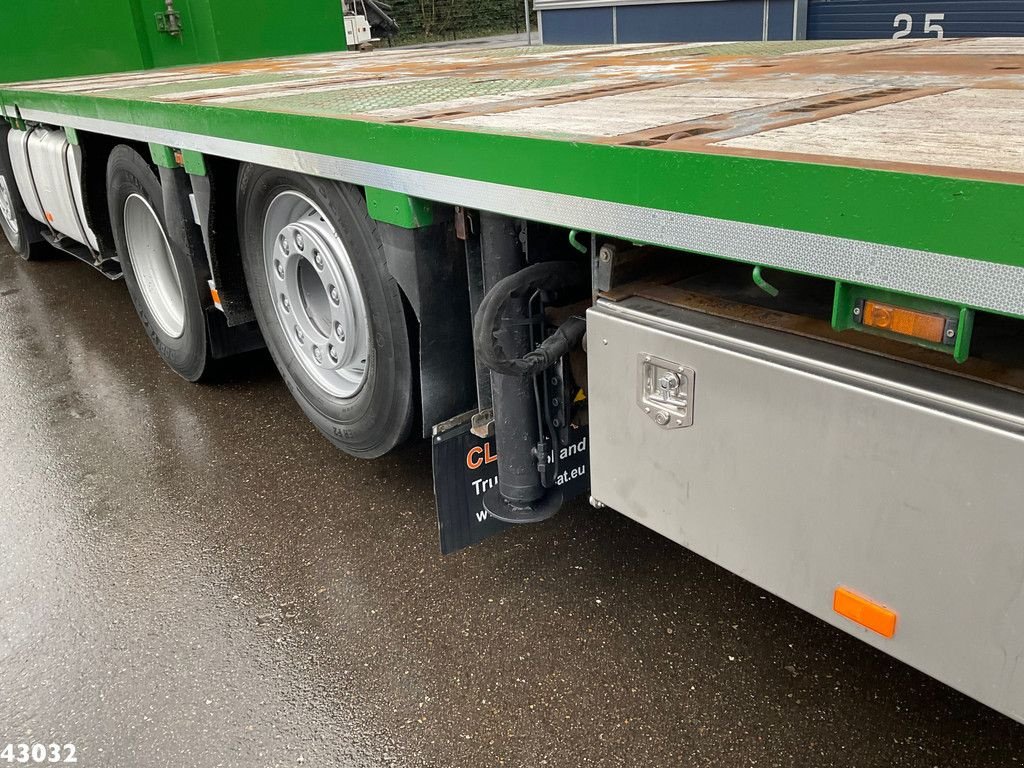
(215, 295)
(906, 322)
(867, 613)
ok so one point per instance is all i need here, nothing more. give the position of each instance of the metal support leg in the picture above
(519, 496)
(477, 288)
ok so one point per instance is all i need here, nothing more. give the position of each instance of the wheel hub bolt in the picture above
(284, 245)
(286, 304)
(318, 259)
(317, 354)
(332, 353)
(299, 335)
(299, 243)
(339, 331)
(335, 296)
(280, 268)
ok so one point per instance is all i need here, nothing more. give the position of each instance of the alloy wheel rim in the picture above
(316, 294)
(153, 265)
(7, 207)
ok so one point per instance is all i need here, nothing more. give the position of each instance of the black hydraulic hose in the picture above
(545, 276)
(555, 346)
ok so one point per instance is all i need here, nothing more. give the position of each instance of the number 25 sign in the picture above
(904, 24)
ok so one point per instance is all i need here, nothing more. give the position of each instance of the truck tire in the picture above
(331, 313)
(23, 232)
(161, 278)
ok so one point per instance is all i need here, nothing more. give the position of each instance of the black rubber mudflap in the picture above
(465, 467)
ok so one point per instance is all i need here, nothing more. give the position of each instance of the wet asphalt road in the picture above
(191, 576)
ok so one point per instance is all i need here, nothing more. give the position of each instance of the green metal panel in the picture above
(57, 38)
(53, 38)
(165, 50)
(248, 28)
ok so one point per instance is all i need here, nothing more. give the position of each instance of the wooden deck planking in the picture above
(981, 129)
(629, 112)
(749, 98)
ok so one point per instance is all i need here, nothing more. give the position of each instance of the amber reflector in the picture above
(867, 613)
(906, 322)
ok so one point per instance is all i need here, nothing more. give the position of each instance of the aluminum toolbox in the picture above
(803, 467)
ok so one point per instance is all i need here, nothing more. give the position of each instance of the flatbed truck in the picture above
(764, 298)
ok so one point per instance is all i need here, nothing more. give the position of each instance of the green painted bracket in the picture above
(398, 209)
(168, 157)
(194, 162)
(72, 135)
(960, 320)
(163, 157)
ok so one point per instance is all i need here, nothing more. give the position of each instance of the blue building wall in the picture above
(715, 20)
(698, 22)
(577, 25)
(856, 19)
(781, 24)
